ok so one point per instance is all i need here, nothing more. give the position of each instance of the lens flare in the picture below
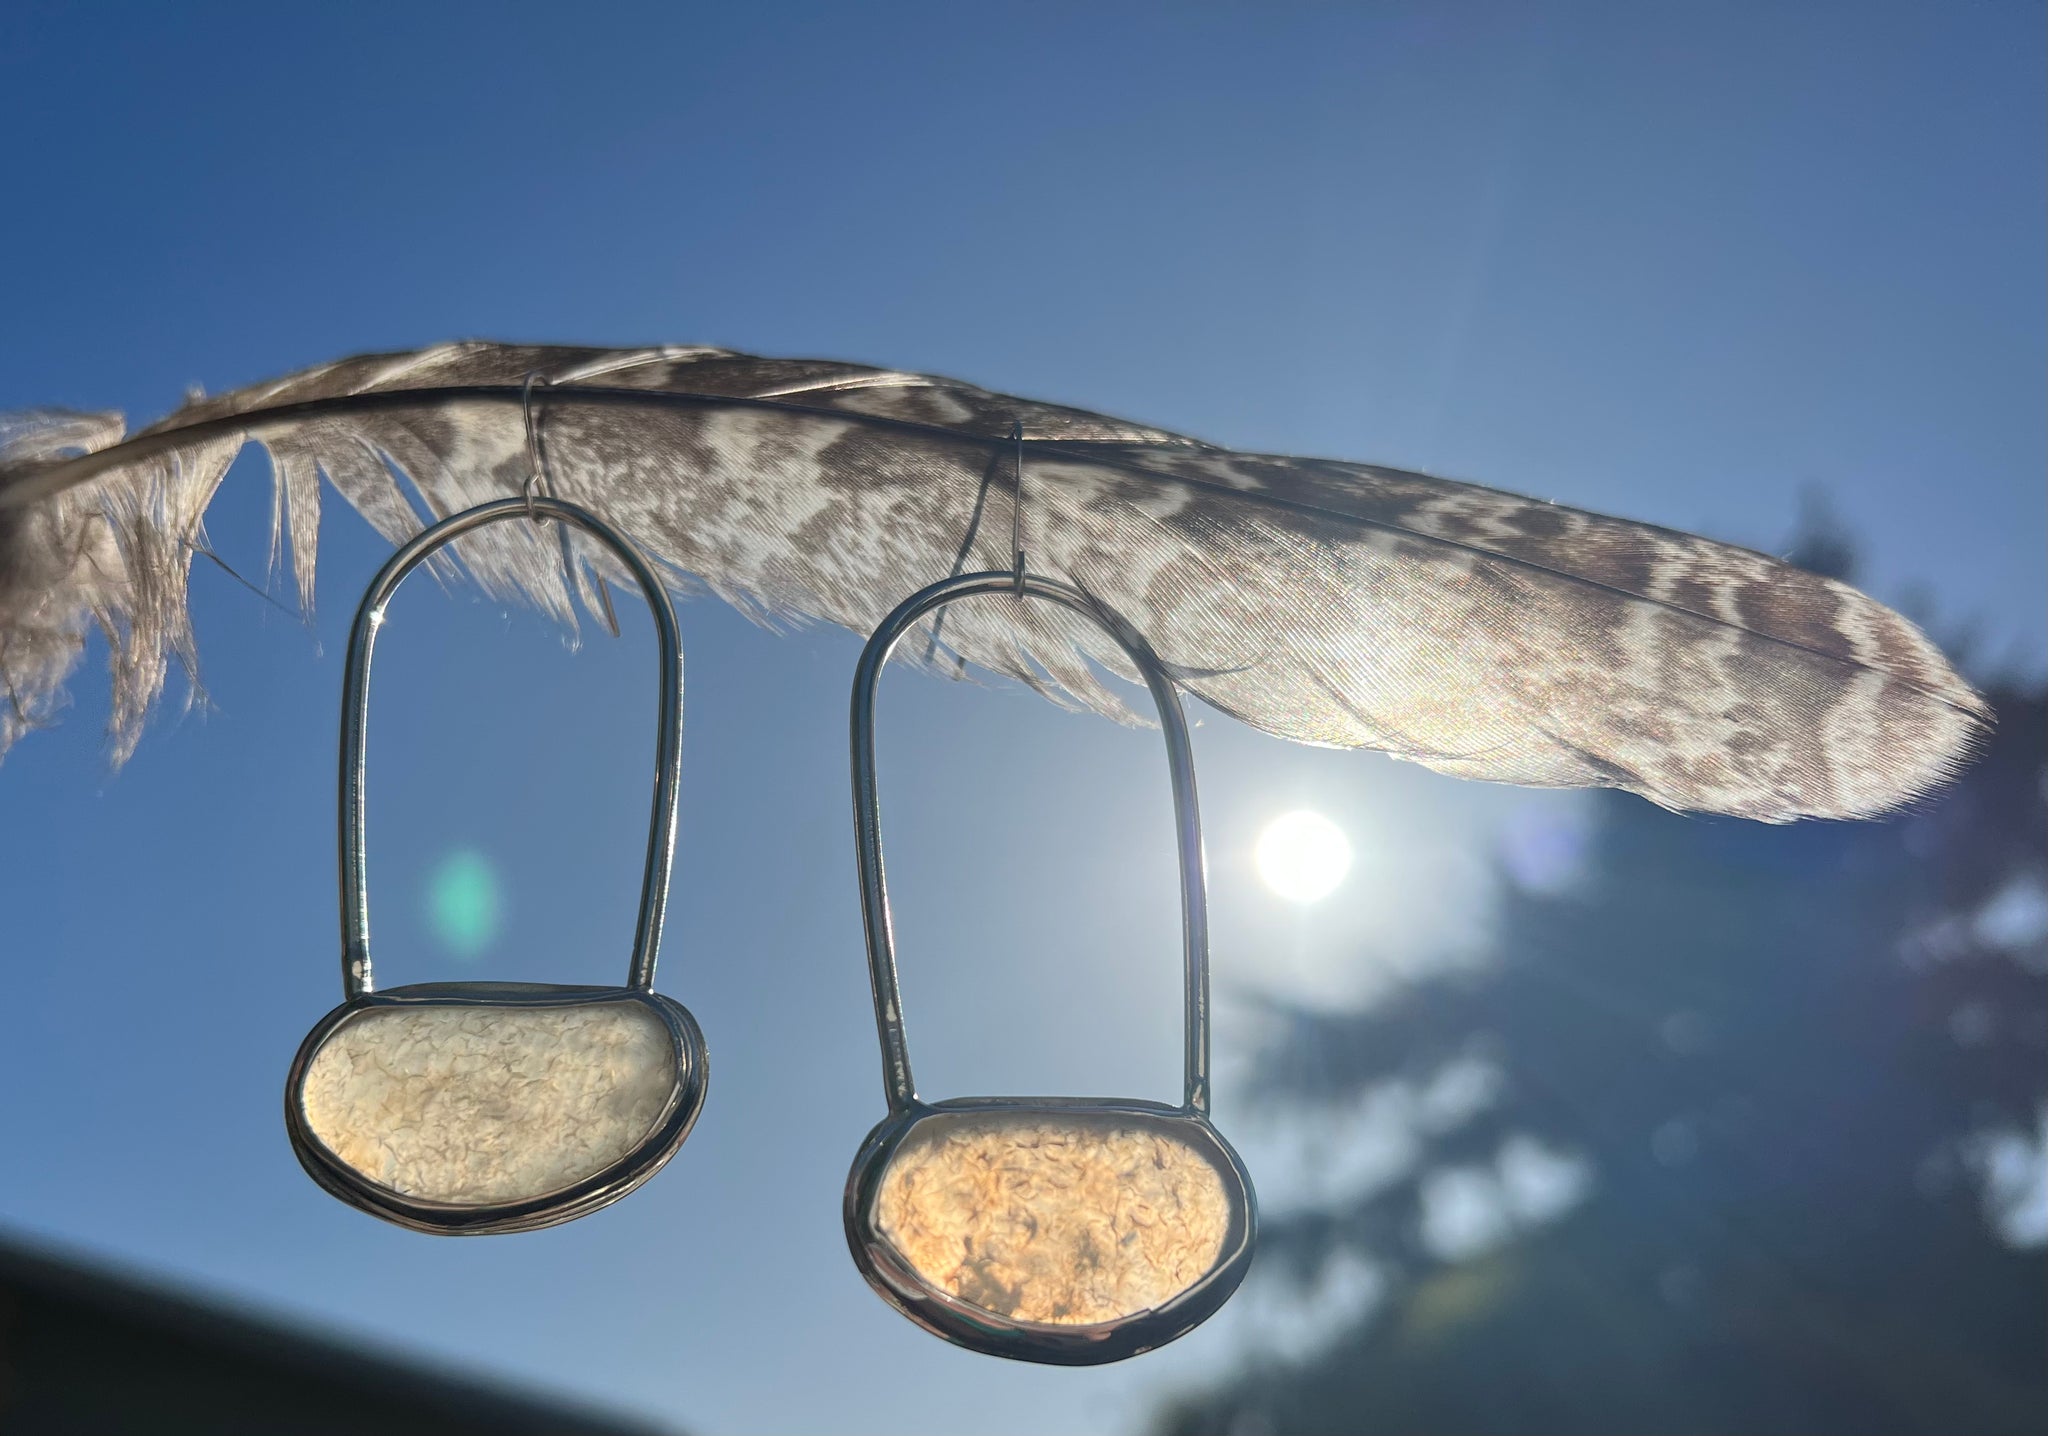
(462, 902)
(1303, 856)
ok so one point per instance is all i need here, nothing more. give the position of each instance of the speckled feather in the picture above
(1477, 632)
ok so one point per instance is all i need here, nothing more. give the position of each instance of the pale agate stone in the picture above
(1068, 1219)
(480, 1105)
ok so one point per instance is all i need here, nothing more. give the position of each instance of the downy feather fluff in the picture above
(1476, 632)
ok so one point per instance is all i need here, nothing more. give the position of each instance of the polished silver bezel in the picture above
(1051, 1343)
(358, 987)
(528, 1214)
(885, 1269)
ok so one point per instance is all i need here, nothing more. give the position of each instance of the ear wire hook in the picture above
(536, 460)
(988, 477)
(1017, 508)
(539, 481)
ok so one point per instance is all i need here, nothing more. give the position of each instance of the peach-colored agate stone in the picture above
(1063, 1218)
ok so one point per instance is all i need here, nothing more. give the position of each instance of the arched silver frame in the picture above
(358, 988)
(355, 721)
(938, 1311)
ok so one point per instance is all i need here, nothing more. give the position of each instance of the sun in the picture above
(1303, 856)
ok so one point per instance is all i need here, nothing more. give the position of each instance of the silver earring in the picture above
(472, 1107)
(1064, 1230)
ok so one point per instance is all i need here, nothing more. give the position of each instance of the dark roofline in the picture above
(41, 1271)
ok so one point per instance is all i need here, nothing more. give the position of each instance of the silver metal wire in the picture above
(540, 481)
(867, 822)
(355, 717)
(1017, 562)
(536, 459)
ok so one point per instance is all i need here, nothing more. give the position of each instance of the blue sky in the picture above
(1675, 264)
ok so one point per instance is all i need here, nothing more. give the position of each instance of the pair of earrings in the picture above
(1063, 1230)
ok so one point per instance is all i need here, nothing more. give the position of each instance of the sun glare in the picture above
(1303, 856)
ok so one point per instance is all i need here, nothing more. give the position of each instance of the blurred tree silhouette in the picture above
(1785, 1088)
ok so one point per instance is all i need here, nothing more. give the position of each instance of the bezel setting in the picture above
(1051, 1343)
(587, 1194)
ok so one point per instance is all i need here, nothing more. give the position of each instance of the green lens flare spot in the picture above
(462, 902)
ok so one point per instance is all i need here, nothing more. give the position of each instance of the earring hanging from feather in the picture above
(464, 1108)
(1072, 1231)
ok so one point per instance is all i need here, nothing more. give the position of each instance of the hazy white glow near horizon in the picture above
(1302, 856)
